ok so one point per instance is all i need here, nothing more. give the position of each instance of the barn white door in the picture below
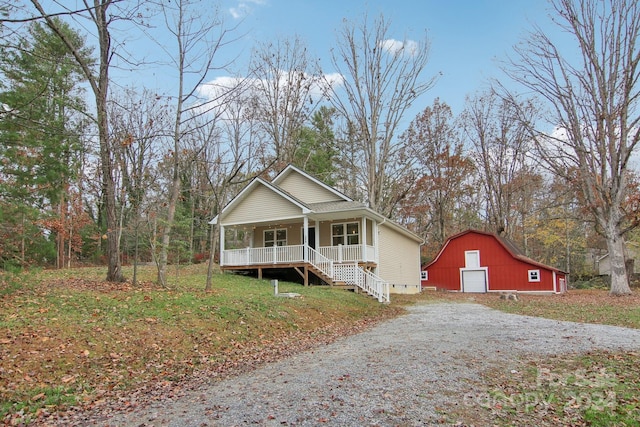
(471, 259)
(474, 281)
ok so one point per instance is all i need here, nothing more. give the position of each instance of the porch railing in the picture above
(348, 253)
(352, 274)
(295, 253)
(270, 255)
(321, 262)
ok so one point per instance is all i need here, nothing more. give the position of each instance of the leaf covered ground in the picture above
(71, 343)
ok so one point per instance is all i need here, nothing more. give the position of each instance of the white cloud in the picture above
(217, 92)
(396, 46)
(244, 8)
(334, 79)
(222, 85)
(220, 90)
(236, 12)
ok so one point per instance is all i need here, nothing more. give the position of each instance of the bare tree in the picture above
(382, 77)
(139, 123)
(244, 140)
(283, 83)
(199, 37)
(593, 102)
(442, 171)
(500, 144)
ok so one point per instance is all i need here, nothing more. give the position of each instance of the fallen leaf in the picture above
(67, 379)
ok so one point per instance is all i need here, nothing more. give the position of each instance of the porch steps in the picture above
(339, 283)
(324, 277)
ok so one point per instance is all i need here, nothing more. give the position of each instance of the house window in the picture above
(345, 234)
(424, 275)
(275, 237)
(534, 275)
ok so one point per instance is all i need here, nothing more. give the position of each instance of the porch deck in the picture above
(345, 265)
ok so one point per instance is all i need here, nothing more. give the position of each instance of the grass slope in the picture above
(67, 339)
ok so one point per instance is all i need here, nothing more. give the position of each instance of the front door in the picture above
(311, 238)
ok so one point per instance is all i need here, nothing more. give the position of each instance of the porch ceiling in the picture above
(346, 215)
(249, 225)
(329, 216)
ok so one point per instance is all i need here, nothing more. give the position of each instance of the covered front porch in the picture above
(339, 240)
(328, 248)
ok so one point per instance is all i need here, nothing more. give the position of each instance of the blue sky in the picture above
(467, 36)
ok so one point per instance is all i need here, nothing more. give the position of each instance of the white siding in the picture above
(399, 260)
(262, 205)
(306, 190)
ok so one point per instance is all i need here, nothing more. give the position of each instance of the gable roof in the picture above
(342, 205)
(507, 244)
(292, 169)
(246, 191)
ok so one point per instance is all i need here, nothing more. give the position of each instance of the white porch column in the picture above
(374, 238)
(364, 239)
(317, 230)
(221, 230)
(305, 240)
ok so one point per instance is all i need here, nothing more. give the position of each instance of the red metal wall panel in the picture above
(505, 272)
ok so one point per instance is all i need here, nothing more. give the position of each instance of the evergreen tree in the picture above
(317, 149)
(40, 131)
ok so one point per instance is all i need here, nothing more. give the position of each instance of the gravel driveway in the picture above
(404, 372)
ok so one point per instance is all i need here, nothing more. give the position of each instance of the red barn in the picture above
(477, 261)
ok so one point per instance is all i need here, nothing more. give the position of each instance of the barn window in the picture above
(424, 275)
(534, 275)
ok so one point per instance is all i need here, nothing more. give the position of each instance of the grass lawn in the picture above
(70, 340)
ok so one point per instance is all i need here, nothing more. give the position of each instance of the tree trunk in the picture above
(166, 231)
(619, 278)
(212, 255)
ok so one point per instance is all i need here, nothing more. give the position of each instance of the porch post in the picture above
(364, 239)
(374, 238)
(222, 234)
(305, 241)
